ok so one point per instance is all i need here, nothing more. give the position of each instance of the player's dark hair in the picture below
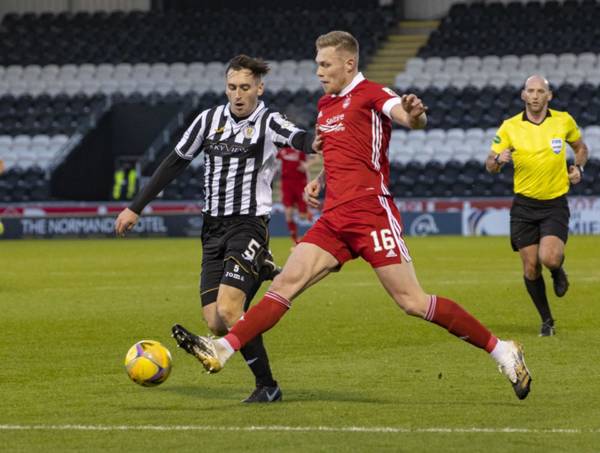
(257, 66)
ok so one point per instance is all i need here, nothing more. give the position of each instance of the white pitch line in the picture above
(277, 428)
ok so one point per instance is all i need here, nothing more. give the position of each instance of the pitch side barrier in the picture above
(421, 217)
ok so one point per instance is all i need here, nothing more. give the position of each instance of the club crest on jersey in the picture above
(248, 132)
(347, 101)
(557, 145)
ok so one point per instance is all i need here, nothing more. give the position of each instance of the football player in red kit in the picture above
(294, 176)
(359, 218)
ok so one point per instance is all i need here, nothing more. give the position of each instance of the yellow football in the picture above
(148, 363)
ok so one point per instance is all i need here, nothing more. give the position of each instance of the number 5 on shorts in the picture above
(386, 239)
(250, 252)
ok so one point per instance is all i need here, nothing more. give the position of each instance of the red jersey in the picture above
(356, 128)
(291, 165)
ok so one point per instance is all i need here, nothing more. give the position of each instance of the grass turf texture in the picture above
(345, 355)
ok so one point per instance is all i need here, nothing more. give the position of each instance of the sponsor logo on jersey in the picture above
(335, 119)
(557, 145)
(339, 127)
(333, 124)
(224, 148)
(497, 139)
(391, 254)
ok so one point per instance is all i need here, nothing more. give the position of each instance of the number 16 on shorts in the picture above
(382, 240)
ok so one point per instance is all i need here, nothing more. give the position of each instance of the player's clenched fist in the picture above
(413, 105)
(311, 193)
(125, 221)
(574, 174)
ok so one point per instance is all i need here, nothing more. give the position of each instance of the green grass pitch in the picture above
(357, 374)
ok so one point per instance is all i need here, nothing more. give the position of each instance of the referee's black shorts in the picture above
(532, 219)
(233, 251)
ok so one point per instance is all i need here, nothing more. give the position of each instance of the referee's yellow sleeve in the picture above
(573, 132)
(501, 141)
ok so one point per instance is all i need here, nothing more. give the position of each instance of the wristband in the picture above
(497, 158)
(580, 168)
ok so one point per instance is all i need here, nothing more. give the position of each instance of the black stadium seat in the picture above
(185, 36)
(466, 29)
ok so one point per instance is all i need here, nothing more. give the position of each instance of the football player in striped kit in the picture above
(239, 143)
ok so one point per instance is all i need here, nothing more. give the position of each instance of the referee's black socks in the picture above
(537, 290)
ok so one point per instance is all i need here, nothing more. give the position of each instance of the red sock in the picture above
(459, 322)
(260, 318)
(293, 230)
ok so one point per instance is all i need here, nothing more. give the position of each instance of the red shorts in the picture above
(292, 194)
(369, 227)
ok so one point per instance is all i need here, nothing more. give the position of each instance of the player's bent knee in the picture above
(552, 260)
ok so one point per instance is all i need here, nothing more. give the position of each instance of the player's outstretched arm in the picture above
(171, 167)
(410, 112)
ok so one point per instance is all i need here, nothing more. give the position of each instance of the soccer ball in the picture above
(148, 363)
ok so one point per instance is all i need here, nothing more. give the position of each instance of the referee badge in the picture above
(557, 145)
(248, 132)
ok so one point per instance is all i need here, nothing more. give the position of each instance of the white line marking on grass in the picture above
(277, 428)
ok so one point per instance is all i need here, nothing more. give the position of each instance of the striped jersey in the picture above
(356, 127)
(239, 157)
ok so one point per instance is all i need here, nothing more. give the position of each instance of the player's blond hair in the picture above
(341, 40)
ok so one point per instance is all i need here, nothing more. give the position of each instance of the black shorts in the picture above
(233, 251)
(532, 219)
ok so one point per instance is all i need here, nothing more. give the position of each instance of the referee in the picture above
(535, 141)
(239, 143)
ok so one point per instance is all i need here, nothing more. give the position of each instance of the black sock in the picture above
(537, 291)
(255, 353)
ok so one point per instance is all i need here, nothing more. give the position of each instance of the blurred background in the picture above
(94, 93)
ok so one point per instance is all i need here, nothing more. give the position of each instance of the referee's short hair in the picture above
(338, 39)
(257, 66)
